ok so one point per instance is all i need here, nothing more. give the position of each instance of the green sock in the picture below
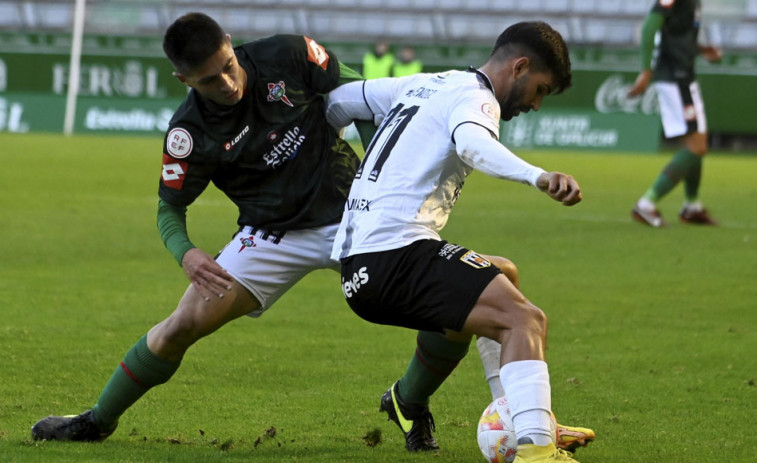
(138, 372)
(434, 360)
(693, 179)
(678, 168)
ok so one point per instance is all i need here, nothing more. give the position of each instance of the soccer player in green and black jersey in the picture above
(671, 67)
(254, 125)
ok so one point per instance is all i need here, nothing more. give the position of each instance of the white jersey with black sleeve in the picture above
(434, 130)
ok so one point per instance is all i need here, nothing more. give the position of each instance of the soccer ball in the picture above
(496, 433)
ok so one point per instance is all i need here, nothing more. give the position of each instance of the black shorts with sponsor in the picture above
(428, 285)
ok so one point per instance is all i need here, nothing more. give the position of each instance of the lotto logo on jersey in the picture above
(230, 144)
(316, 53)
(179, 143)
(689, 112)
(475, 260)
(173, 172)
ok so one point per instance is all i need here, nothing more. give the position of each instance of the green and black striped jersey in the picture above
(273, 153)
(678, 44)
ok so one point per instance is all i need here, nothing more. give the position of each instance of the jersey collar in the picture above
(482, 77)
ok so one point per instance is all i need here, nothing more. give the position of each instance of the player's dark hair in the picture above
(543, 46)
(191, 40)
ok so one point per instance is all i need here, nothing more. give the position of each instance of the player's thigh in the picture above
(269, 263)
(696, 142)
(502, 307)
(204, 317)
(195, 317)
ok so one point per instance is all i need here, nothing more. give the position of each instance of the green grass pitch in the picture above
(653, 333)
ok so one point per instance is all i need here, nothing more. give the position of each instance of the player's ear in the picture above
(180, 76)
(520, 66)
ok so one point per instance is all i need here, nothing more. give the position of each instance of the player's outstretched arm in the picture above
(560, 187)
(711, 53)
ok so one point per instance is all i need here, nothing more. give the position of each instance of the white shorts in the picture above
(269, 263)
(681, 108)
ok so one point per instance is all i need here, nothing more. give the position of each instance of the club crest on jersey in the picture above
(277, 92)
(179, 143)
(247, 242)
(689, 112)
(475, 260)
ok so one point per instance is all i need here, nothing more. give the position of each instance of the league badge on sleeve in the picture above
(179, 143)
(491, 111)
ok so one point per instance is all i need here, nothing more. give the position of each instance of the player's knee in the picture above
(697, 144)
(178, 332)
(535, 321)
(522, 317)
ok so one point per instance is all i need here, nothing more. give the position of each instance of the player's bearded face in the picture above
(526, 94)
(220, 79)
(514, 104)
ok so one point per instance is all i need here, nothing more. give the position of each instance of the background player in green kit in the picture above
(681, 105)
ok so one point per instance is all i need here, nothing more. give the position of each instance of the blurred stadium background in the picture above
(125, 83)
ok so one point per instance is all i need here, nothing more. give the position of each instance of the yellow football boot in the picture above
(530, 453)
(571, 438)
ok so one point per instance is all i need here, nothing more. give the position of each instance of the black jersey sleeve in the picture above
(186, 171)
(322, 67)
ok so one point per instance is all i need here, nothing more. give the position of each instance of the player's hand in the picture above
(710, 53)
(560, 187)
(641, 84)
(209, 278)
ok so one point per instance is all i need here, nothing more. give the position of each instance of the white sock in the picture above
(695, 206)
(526, 385)
(490, 352)
(646, 205)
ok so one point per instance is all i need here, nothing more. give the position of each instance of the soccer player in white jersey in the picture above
(396, 269)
